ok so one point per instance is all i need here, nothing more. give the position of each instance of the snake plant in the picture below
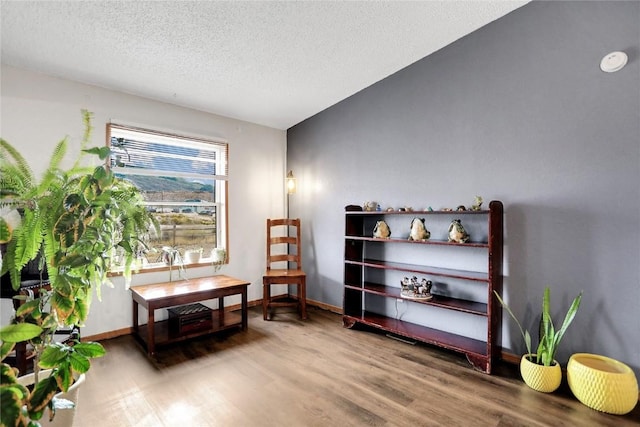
(549, 337)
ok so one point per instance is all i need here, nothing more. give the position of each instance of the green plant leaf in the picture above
(101, 152)
(571, 314)
(23, 171)
(79, 363)
(64, 376)
(90, 349)
(63, 306)
(81, 310)
(58, 154)
(19, 332)
(73, 261)
(53, 355)
(41, 396)
(28, 308)
(527, 341)
(525, 334)
(5, 232)
(8, 374)
(6, 348)
(11, 402)
(545, 330)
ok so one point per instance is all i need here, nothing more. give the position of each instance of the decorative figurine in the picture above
(426, 286)
(457, 233)
(477, 203)
(381, 230)
(404, 286)
(418, 230)
(461, 208)
(411, 289)
(371, 206)
(414, 283)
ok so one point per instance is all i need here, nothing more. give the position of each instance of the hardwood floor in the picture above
(289, 372)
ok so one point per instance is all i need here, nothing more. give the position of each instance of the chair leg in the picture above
(302, 298)
(266, 298)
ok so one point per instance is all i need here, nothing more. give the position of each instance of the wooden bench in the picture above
(171, 294)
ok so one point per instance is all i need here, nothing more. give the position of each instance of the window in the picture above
(183, 182)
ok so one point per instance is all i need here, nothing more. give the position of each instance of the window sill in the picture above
(160, 266)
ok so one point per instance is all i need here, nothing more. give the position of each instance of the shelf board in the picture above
(164, 336)
(424, 334)
(369, 213)
(418, 242)
(464, 306)
(423, 269)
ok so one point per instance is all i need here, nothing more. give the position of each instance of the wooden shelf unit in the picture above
(357, 266)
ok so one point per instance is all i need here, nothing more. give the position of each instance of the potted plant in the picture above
(75, 221)
(540, 370)
(193, 254)
(218, 258)
(171, 256)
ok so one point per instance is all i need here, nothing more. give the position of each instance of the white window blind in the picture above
(143, 152)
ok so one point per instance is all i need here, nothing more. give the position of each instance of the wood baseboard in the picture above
(511, 358)
(323, 306)
(310, 302)
(108, 335)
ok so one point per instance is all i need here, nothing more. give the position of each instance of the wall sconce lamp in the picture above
(291, 183)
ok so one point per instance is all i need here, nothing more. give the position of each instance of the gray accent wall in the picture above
(518, 111)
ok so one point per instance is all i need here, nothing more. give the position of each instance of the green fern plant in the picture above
(549, 338)
(75, 220)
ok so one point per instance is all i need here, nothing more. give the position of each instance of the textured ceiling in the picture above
(273, 63)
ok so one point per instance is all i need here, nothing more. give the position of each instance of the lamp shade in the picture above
(291, 183)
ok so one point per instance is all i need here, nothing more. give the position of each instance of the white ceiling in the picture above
(274, 63)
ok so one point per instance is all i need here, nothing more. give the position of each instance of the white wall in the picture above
(38, 110)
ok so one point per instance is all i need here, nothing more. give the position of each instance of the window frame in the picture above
(221, 191)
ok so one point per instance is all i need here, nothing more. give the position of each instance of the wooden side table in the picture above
(170, 294)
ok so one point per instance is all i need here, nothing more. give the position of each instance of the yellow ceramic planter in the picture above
(602, 383)
(539, 377)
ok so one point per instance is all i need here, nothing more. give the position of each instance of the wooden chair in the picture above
(284, 249)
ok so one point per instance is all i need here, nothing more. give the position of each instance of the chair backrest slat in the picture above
(284, 239)
(293, 251)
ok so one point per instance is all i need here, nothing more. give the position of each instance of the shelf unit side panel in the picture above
(495, 260)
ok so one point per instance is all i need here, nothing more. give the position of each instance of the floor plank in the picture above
(288, 372)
